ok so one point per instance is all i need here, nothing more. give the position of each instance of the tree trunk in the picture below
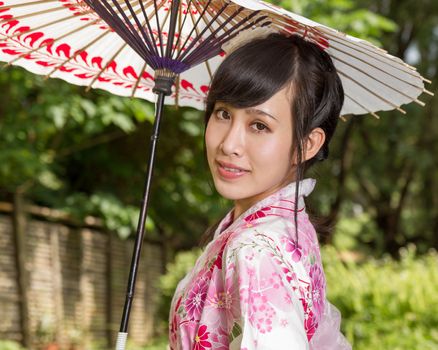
(19, 227)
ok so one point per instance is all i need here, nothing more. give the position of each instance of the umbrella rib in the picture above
(90, 85)
(409, 72)
(151, 33)
(213, 33)
(106, 11)
(401, 67)
(112, 59)
(233, 21)
(303, 30)
(235, 30)
(335, 34)
(215, 49)
(206, 62)
(367, 53)
(150, 36)
(33, 14)
(208, 24)
(209, 12)
(177, 82)
(177, 49)
(51, 42)
(146, 38)
(158, 29)
(77, 53)
(362, 106)
(163, 24)
(377, 79)
(178, 58)
(131, 34)
(138, 80)
(379, 69)
(376, 95)
(181, 26)
(197, 33)
(26, 4)
(42, 26)
(221, 24)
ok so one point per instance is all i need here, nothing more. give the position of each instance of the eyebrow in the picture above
(260, 112)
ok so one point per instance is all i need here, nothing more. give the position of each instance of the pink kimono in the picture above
(256, 287)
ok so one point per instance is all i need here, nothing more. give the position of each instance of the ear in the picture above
(313, 144)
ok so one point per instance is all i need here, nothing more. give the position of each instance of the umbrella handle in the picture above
(121, 341)
(123, 333)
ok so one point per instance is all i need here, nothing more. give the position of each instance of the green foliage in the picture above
(10, 345)
(116, 216)
(386, 304)
(344, 15)
(44, 121)
(159, 343)
(354, 232)
(184, 262)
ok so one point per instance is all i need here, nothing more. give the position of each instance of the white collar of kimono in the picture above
(305, 187)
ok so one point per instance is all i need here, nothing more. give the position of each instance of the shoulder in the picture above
(270, 251)
(269, 232)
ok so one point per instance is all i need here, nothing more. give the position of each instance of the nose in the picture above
(233, 141)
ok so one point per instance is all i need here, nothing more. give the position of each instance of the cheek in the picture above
(274, 151)
(275, 148)
(211, 138)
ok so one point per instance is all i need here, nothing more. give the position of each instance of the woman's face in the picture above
(248, 149)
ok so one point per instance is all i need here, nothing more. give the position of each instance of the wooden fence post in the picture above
(57, 286)
(19, 231)
(109, 279)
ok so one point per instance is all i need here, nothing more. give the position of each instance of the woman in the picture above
(272, 108)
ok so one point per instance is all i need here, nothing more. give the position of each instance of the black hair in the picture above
(254, 72)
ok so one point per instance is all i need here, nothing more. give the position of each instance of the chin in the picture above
(231, 191)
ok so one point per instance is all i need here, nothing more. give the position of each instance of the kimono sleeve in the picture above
(267, 311)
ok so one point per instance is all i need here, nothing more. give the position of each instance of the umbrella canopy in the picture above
(118, 45)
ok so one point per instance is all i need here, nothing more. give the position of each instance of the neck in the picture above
(242, 205)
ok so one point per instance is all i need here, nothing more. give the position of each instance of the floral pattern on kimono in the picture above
(257, 285)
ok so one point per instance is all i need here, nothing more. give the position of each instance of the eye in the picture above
(259, 127)
(222, 114)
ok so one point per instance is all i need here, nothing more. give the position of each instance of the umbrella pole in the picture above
(123, 333)
(164, 80)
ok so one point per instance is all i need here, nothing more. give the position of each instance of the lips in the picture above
(230, 166)
(230, 171)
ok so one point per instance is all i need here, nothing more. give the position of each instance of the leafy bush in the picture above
(184, 262)
(385, 304)
(9, 345)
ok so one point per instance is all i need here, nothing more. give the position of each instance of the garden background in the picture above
(76, 160)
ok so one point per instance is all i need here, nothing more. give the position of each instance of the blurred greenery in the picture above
(386, 304)
(10, 345)
(85, 153)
